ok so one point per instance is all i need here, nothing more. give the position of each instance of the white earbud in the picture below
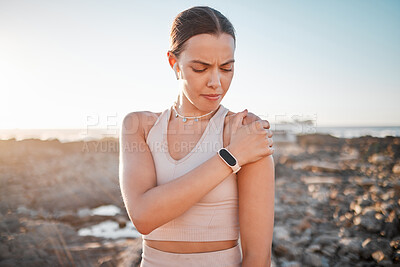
(176, 73)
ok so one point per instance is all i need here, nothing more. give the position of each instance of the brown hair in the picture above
(198, 20)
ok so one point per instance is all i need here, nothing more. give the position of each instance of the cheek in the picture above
(194, 85)
(192, 76)
(194, 81)
(226, 80)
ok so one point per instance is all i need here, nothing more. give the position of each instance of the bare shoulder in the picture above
(139, 121)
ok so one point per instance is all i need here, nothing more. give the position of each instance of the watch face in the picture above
(227, 157)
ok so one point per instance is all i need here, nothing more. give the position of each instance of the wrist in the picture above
(236, 154)
(229, 159)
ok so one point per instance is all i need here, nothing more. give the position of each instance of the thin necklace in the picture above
(184, 118)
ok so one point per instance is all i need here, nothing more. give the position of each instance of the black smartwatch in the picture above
(229, 159)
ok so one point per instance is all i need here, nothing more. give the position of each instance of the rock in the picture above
(4, 252)
(304, 240)
(315, 260)
(24, 210)
(121, 221)
(107, 261)
(314, 248)
(84, 212)
(378, 255)
(3, 227)
(365, 202)
(291, 264)
(343, 264)
(319, 140)
(310, 211)
(396, 256)
(355, 207)
(379, 159)
(9, 263)
(317, 166)
(395, 243)
(330, 251)
(29, 254)
(364, 181)
(325, 167)
(11, 224)
(350, 247)
(302, 226)
(320, 180)
(280, 249)
(281, 233)
(385, 263)
(286, 249)
(325, 240)
(370, 246)
(396, 168)
(369, 222)
(396, 188)
(390, 229)
(349, 153)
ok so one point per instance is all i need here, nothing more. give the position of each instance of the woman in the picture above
(190, 175)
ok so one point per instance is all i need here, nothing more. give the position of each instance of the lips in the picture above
(212, 97)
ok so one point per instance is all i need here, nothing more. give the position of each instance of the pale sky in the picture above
(67, 64)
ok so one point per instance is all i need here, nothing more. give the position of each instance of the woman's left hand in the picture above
(249, 118)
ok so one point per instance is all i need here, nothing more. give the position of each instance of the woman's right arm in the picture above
(149, 206)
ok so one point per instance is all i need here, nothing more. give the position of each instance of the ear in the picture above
(171, 59)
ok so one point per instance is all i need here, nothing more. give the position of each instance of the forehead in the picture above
(209, 47)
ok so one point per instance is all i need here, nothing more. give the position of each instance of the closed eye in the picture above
(195, 70)
(198, 70)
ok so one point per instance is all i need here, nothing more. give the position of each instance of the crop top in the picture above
(215, 217)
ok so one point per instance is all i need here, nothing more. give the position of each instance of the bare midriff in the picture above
(190, 247)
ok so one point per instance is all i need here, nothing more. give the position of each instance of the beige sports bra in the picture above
(216, 216)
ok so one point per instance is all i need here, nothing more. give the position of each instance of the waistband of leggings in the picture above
(216, 255)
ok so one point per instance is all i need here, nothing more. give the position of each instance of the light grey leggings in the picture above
(152, 257)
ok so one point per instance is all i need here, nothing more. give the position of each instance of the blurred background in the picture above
(325, 74)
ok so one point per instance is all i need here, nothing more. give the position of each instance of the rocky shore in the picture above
(337, 203)
(47, 189)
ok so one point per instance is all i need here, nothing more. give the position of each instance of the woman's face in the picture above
(207, 67)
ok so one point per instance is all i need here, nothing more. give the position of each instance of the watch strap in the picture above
(236, 167)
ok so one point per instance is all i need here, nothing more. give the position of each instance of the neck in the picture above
(186, 118)
(181, 111)
(185, 108)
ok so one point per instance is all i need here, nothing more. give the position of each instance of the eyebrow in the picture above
(207, 64)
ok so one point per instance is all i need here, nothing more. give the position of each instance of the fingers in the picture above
(271, 150)
(269, 147)
(238, 120)
(267, 124)
(262, 125)
(268, 150)
(270, 142)
(269, 133)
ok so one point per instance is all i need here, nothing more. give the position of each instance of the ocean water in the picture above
(64, 135)
(108, 228)
(351, 132)
(71, 135)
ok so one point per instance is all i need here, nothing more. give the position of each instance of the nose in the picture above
(214, 80)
